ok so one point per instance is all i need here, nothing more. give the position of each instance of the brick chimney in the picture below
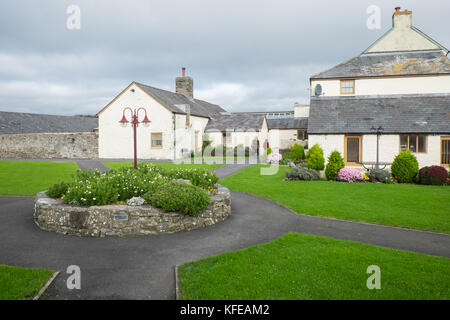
(402, 19)
(184, 85)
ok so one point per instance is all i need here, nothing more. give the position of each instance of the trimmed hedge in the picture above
(405, 167)
(335, 163)
(314, 158)
(297, 153)
(434, 175)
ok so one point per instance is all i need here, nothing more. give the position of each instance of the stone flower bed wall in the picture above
(123, 220)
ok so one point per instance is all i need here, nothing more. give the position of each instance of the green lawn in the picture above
(403, 205)
(298, 266)
(18, 283)
(116, 165)
(26, 178)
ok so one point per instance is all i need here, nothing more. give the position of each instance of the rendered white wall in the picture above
(387, 86)
(117, 142)
(389, 147)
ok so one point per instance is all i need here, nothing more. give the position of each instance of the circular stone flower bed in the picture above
(123, 220)
(129, 202)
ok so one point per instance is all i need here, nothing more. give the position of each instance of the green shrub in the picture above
(179, 197)
(297, 153)
(302, 173)
(57, 190)
(405, 167)
(434, 175)
(314, 158)
(378, 175)
(284, 159)
(335, 163)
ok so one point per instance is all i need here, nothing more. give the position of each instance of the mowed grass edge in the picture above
(401, 205)
(298, 266)
(17, 283)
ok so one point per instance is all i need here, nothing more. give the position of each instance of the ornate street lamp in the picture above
(379, 131)
(134, 122)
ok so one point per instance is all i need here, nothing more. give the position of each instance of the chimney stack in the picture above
(402, 19)
(184, 85)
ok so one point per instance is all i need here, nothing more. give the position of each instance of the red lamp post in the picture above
(135, 122)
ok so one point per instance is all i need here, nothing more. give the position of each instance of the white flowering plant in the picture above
(117, 186)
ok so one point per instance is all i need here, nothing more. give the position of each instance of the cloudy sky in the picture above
(245, 55)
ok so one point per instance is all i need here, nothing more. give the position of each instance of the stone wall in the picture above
(49, 145)
(123, 220)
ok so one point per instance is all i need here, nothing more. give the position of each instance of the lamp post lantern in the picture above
(134, 122)
(379, 131)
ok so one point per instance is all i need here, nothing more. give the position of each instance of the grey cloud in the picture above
(245, 55)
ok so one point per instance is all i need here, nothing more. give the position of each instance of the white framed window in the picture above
(347, 86)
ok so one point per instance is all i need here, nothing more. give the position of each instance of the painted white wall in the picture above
(284, 139)
(389, 147)
(328, 143)
(185, 134)
(246, 138)
(117, 142)
(301, 111)
(387, 86)
(402, 37)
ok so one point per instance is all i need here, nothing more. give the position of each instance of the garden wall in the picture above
(123, 220)
(49, 145)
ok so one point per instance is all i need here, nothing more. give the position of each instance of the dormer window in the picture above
(347, 86)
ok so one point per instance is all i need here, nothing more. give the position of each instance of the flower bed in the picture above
(123, 220)
(159, 201)
(117, 186)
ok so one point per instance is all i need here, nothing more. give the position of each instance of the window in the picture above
(226, 137)
(347, 86)
(413, 142)
(157, 140)
(302, 134)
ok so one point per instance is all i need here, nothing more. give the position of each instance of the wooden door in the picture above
(352, 146)
(445, 152)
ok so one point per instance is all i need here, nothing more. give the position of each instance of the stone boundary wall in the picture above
(82, 145)
(122, 220)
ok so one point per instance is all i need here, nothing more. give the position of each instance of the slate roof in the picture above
(15, 122)
(288, 123)
(173, 101)
(390, 64)
(239, 121)
(396, 114)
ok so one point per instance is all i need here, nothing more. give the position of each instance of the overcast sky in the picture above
(245, 55)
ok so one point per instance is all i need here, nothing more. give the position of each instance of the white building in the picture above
(179, 123)
(401, 84)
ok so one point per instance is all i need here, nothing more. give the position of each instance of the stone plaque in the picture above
(121, 217)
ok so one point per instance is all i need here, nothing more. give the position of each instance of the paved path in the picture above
(142, 267)
(86, 165)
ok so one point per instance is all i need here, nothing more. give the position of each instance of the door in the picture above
(196, 140)
(352, 146)
(445, 152)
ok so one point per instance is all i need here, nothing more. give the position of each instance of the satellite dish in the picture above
(318, 90)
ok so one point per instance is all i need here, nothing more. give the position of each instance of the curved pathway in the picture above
(142, 267)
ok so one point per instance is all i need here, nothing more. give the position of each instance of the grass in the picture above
(402, 205)
(18, 283)
(298, 266)
(167, 165)
(26, 178)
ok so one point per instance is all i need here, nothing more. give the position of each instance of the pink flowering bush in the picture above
(274, 158)
(350, 175)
